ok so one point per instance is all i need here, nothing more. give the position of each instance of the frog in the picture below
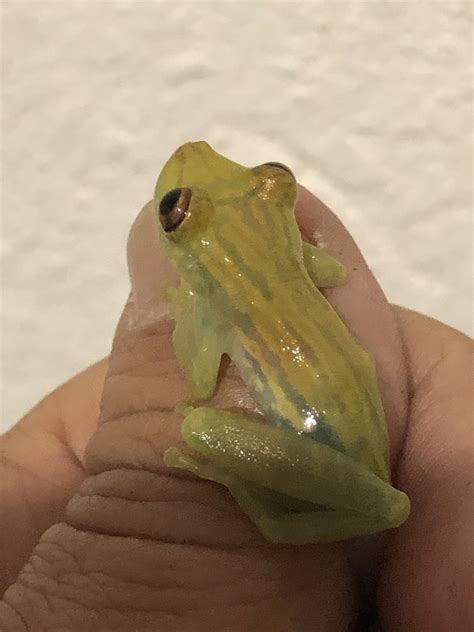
(309, 463)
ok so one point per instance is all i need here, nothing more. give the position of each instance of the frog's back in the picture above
(307, 372)
(240, 250)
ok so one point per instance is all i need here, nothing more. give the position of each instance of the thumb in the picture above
(137, 536)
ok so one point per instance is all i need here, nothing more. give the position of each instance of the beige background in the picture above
(368, 101)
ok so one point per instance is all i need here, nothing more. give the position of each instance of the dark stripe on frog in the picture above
(336, 345)
(256, 220)
(334, 404)
(281, 216)
(326, 431)
(323, 433)
(258, 281)
(368, 393)
(304, 318)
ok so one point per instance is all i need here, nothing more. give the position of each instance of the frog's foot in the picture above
(294, 490)
(279, 518)
(324, 270)
(282, 524)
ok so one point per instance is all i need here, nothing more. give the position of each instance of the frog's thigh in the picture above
(324, 270)
(279, 518)
(238, 447)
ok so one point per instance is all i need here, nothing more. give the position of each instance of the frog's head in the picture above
(214, 212)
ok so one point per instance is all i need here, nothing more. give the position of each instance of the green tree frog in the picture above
(312, 464)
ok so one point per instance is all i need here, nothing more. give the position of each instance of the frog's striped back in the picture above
(241, 251)
(296, 356)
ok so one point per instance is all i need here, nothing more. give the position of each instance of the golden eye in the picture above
(279, 165)
(173, 208)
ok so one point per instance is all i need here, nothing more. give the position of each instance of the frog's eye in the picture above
(279, 165)
(173, 208)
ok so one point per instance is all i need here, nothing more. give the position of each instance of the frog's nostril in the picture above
(173, 208)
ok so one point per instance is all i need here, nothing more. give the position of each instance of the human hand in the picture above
(140, 547)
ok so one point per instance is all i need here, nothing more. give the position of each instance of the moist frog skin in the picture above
(314, 465)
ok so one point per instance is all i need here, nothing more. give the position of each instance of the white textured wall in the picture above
(368, 101)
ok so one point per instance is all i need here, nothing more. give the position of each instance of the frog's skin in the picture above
(315, 467)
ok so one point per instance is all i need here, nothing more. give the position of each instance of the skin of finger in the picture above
(430, 560)
(138, 424)
(41, 465)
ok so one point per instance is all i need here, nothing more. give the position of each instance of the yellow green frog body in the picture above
(315, 468)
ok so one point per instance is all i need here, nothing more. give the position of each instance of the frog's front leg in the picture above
(295, 489)
(324, 270)
(199, 340)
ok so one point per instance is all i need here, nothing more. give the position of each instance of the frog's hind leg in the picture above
(282, 524)
(280, 518)
(324, 270)
(293, 489)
